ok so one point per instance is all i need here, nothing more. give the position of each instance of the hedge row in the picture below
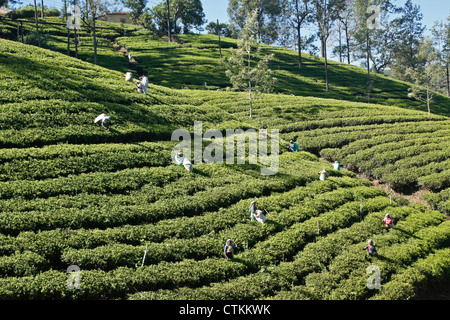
(180, 227)
(400, 138)
(422, 274)
(113, 255)
(321, 266)
(269, 280)
(346, 277)
(121, 281)
(332, 140)
(372, 118)
(99, 182)
(32, 165)
(439, 200)
(116, 246)
(97, 284)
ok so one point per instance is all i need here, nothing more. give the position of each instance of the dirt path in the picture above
(414, 197)
(125, 52)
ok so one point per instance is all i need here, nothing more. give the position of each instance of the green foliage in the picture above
(74, 193)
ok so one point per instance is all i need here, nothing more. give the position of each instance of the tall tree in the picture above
(247, 69)
(268, 14)
(325, 13)
(221, 28)
(336, 35)
(298, 13)
(374, 38)
(424, 74)
(365, 31)
(8, 3)
(192, 15)
(441, 40)
(37, 23)
(346, 21)
(172, 16)
(94, 9)
(137, 8)
(168, 21)
(383, 42)
(409, 36)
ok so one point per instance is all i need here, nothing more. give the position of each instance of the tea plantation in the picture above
(137, 226)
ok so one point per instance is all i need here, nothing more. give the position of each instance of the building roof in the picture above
(114, 13)
(118, 12)
(4, 11)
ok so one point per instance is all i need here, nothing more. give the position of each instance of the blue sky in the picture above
(432, 10)
(217, 9)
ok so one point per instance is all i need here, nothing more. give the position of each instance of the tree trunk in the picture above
(95, 38)
(300, 63)
(448, 82)
(369, 89)
(37, 24)
(326, 64)
(65, 10)
(258, 21)
(428, 101)
(168, 21)
(368, 57)
(250, 96)
(250, 85)
(322, 47)
(68, 41)
(21, 31)
(294, 44)
(340, 41)
(348, 43)
(175, 30)
(42, 9)
(220, 46)
(76, 42)
(75, 33)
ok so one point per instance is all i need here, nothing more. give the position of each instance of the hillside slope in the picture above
(74, 194)
(191, 60)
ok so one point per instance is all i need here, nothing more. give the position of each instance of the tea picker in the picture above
(140, 88)
(256, 214)
(144, 81)
(128, 77)
(228, 250)
(293, 146)
(187, 165)
(371, 250)
(388, 221)
(336, 166)
(102, 119)
(142, 85)
(323, 175)
(181, 160)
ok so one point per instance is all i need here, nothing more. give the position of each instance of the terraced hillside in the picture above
(73, 193)
(191, 60)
